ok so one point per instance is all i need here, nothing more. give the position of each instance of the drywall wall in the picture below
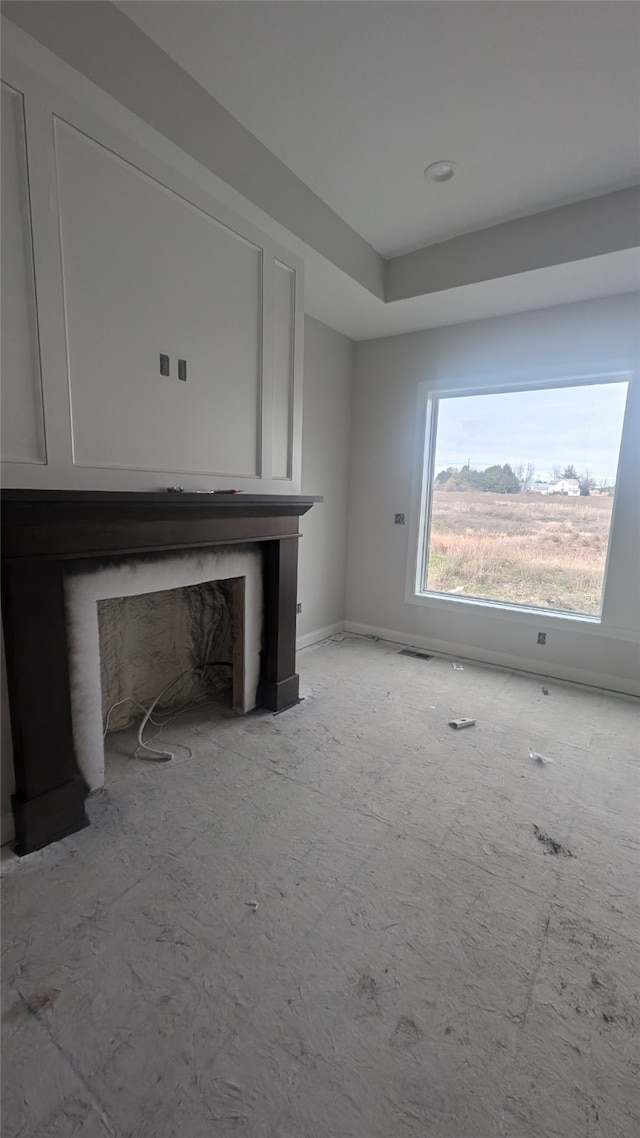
(22, 427)
(594, 336)
(135, 265)
(328, 362)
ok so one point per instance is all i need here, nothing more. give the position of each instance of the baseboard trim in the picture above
(320, 634)
(582, 676)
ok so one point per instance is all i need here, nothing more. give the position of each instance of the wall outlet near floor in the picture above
(542, 638)
(299, 606)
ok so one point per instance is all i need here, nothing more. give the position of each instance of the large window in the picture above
(519, 491)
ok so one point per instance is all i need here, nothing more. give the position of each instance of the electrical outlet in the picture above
(542, 638)
(165, 368)
(398, 519)
(299, 606)
(182, 370)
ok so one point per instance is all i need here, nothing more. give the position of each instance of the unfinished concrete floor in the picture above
(419, 963)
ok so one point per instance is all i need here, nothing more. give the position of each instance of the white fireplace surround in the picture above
(133, 577)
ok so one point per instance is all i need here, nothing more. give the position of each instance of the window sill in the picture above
(529, 613)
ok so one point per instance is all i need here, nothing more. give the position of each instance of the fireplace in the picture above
(126, 635)
(48, 538)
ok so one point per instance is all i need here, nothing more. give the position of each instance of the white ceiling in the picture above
(537, 103)
(338, 91)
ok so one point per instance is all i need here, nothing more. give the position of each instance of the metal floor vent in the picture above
(416, 655)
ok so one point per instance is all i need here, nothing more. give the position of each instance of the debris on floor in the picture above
(545, 691)
(538, 758)
(460, 723)
(550, 844)
(457, 667)
(252, 905)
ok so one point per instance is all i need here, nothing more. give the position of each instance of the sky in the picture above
(579, 426)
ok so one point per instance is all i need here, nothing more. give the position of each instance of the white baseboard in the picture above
(320, 634)
(7, 831)
(573, 675)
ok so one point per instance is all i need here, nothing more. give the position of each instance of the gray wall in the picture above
(584, 338)
(328, 365)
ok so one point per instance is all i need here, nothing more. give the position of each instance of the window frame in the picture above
(429, 395)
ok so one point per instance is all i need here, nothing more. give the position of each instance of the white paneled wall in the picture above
(144, 272)
(22, 427)
(111, 259)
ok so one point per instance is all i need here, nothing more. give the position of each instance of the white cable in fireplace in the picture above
(148, 712)
(118, 703)
(148, 718)
(167, 755)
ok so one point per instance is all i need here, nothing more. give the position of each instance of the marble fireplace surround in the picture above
(49, 536)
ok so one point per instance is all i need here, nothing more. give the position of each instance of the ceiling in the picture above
(537, 103)
(315, 121)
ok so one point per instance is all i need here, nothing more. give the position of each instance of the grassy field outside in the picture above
(522, 548)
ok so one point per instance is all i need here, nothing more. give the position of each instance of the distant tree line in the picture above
(506, 479)
(494, 480)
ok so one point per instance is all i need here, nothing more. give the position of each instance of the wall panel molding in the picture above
(174, 271)
(23, 434)
(283, 369)
(169, 279)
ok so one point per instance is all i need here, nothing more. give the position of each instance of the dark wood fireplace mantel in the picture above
(43, 531)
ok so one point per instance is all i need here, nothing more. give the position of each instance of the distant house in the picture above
(569, 486)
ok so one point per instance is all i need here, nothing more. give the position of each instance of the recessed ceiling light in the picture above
(441, 171)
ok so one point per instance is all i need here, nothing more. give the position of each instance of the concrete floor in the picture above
(420, 963)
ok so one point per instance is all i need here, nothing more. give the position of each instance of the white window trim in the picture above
(428, 394)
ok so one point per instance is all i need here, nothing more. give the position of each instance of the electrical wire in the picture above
(142, 746)
(118, 703)
(220, 615)
(166, 756)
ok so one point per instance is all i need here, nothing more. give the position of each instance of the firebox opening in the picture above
(166, 651)
(135, 624)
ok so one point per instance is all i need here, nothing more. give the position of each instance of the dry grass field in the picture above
(522, 548)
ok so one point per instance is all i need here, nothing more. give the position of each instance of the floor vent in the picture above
(414, 654)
